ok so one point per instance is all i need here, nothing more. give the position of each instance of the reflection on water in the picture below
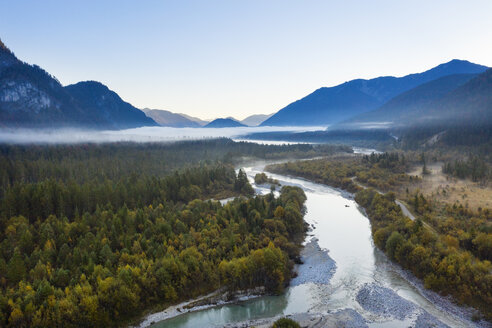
(264, 307)
(342, 228)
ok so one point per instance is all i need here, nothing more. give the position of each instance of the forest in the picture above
(111, 161)
(449, 246)
(94, 235)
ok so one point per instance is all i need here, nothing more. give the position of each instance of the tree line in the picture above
(437, 259)
(111, 161)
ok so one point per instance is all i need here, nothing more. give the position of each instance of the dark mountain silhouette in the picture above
(457, 100)
(30, 97)
(167, 118)
(223, 123)
(412, 102)
(469, 104)
(338, 103)
(97, 100)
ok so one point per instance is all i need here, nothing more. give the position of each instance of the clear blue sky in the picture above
(221, 58)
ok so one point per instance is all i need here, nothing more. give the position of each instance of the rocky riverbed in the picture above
(384, 302)
(318, 267)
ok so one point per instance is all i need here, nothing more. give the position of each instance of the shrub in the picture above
(285, 323)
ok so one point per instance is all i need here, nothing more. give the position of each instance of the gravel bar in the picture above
(384, 302)
(318, 267)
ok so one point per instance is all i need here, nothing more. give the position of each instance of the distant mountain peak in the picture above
(458, 62)
(167, 118)
(224, 123)
(457, 66)
(454, 61)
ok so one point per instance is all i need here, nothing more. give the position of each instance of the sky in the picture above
(236, 58)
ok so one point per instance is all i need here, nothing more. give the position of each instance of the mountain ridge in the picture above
(329, 105)
(417, 99)
(31, 97)
(170, 119)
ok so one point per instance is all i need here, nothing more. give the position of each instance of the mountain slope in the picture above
(335, 104)
(416, 100)
(456, 100)
(470, 103)
(32, 98)
(224, 123)
(195, 119)
(255, 120)
(167, 118)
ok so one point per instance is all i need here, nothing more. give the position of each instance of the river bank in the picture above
(317, 267)
(460, 316)
(340, 260)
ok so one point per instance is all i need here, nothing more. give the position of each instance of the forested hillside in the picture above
(93, 245)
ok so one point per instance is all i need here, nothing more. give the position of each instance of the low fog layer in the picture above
(363, 125)
(145, 134)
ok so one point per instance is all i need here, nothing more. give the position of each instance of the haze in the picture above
(144, 134)
(223, 58)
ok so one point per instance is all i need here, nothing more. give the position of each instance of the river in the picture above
(341, 229)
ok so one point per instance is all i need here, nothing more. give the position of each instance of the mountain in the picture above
(406, 105)
(195, 119)
(255, 120)
(167, 118)
(338, 103)
(30, 97)
(455, 100)
(468, 104)
(224, 123)
(97, 100)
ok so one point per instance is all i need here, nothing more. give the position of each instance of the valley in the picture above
(273, 164)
